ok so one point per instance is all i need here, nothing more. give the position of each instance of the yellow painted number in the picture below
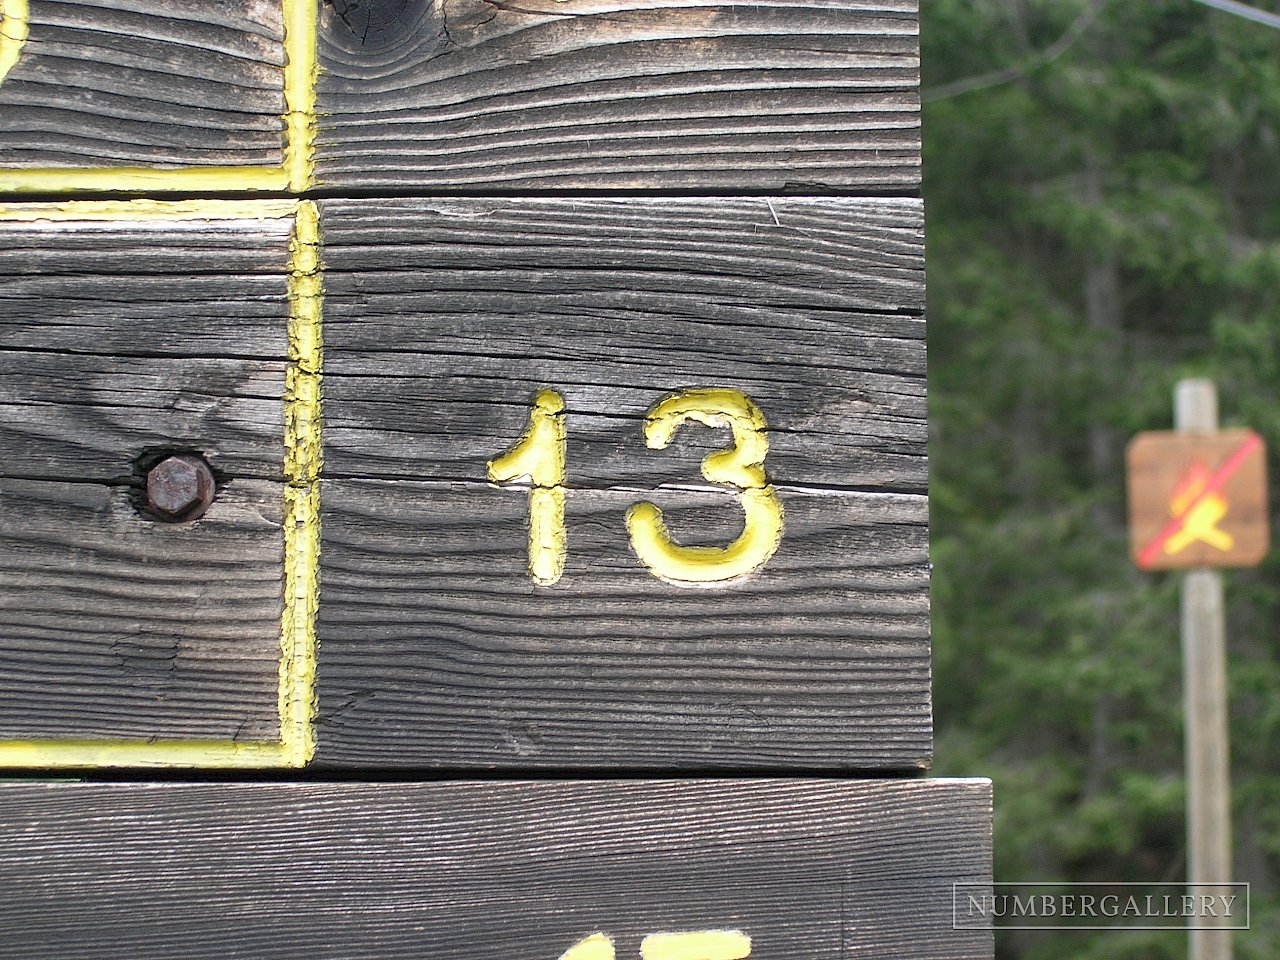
(741, 466)
(13, 33)
(689, 945)
(538, 460)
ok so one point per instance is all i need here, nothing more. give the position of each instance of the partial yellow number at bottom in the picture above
(688, 945)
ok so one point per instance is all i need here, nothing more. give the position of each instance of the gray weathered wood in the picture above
(437, 650)
(442, 319)
(111, 84)
(620, 94)
(112, 627)
(488, 871)
(118, 338)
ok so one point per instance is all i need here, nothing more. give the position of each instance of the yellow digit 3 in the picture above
(538, 457)
(740, 466)
(13, 33)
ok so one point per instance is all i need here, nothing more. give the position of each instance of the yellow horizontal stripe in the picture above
(143, 179)
(89, 210)
(49, 754)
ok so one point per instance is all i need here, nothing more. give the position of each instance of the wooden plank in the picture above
(131, 88)
(620, 94)
(815, 869)
(163, 326)
(127, 330)
(443, 319)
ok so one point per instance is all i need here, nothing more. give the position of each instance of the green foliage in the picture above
(1104, 218)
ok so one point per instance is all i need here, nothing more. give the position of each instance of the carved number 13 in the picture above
(538, 459)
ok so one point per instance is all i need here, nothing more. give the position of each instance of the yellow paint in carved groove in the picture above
(13, 33)
(298, 128)
(102, 210)
(740, 466)
(303, 455)
(144, 179)
(539, 458)
(300, 75)
(696, 945)
(303, 448)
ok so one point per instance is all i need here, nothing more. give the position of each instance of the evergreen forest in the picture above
(1102, 190)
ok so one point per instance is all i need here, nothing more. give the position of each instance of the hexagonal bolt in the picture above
(180, 488)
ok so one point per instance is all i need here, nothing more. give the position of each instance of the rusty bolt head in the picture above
(180, 487)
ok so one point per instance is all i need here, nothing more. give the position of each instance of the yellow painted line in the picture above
(100, 210)
(296, 701)
(144, 179)
(54, 754)
(298, 129)
(303, 457)
(13, 33)
(300, 75)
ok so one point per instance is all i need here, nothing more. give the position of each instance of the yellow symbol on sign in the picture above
(1203, 512)
(13, 33)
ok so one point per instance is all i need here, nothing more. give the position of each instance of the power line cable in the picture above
(1244, 10)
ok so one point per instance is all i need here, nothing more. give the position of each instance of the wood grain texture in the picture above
(437, 649)
(113, 627)
(442, 321)
(471, 871)
(118, 339)
(805, 95)
(110, 84)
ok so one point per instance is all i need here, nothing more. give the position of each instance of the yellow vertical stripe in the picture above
(300, 75)
(303, 452)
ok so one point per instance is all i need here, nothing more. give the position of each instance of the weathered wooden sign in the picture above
(637, 483)
(1197, 500)
(606, 870)
(364, 479)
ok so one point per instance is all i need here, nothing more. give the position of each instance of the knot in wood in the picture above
(180, 487)
(379, 24)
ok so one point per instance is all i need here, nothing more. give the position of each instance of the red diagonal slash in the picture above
(1213, 485)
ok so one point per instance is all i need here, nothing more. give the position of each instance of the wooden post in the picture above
(1195, 405)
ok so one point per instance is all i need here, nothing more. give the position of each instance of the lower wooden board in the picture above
(132, 328)
(780, 870)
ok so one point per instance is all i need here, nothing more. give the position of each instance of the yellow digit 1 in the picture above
(538, 458)
(696, 945)
(13, 33)
(598, 946)
(740, 466)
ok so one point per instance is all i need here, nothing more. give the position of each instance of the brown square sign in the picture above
(1197, 500)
